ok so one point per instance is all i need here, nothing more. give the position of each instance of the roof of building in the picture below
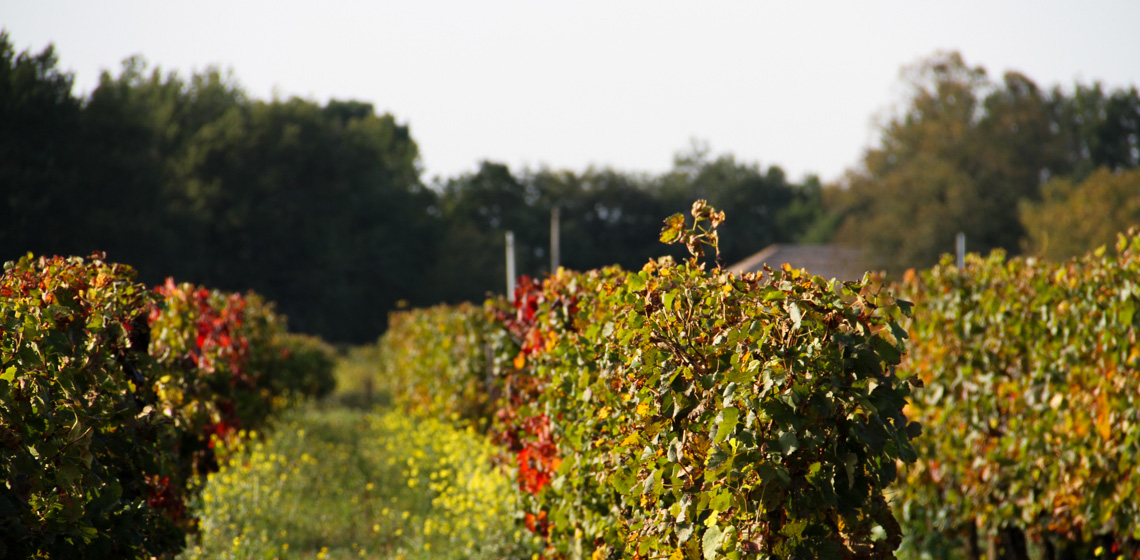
(828, 261)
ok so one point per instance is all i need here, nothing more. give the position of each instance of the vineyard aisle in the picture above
(336, 482)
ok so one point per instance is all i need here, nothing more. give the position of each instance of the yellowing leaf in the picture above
(1103, 424)
(1056, 401)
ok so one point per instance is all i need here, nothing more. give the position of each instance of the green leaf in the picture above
(794, 529)
(711, 541)
(721, 501)
(727, 423)
(622, 481)
(716, 458)
(684, 531)
(795, 314)
(635, 281)
(67, 474)
(574, 438)
(742, 374)
(774, 294)
(886, 350)
(672, 230)
(96, 322)
(108, 496)
(914, 429)
(849, 465)
(782, 472)
(658, 482)
(1127, 311)
(773, 473)
(789, 442)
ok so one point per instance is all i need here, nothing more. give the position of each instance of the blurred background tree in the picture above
(967, 153)
(38, 178)
(1073, 217)
(321, 207)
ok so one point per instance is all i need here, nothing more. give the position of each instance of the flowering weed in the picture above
(341, 483)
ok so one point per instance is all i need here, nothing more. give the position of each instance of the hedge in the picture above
(110, 393)
(682, 411)
(1031, 405)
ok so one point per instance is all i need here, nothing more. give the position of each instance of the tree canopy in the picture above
(1072, 218)
(318, 207)
(968, 152)
(321, 206)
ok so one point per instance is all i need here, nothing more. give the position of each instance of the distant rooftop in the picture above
(828, 261)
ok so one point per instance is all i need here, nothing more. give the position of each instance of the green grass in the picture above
(345, 483)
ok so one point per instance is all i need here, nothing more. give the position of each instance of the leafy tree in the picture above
(476, 210)
(318, 207)
(967, 152)
(136, 132)
(1099, 129)
(606, 216)
(37, 140)
(1074, 218)
(321, 207)
(931, 177)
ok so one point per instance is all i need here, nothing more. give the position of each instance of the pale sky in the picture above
(569, 84)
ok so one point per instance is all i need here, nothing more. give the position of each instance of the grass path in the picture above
(334, 482)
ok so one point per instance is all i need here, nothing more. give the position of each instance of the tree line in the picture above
(323, 207)
(1014, 166)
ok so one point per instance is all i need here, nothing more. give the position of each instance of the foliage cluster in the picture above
(609, 217)
(435, 359)
(968, 149)
(83, 440)
(186, 176)
(111, 394)
(1031, 410)
(322, 207)
(355, 373)
(1073, 218)
(338, 483)
(687, 412)
(228, 363)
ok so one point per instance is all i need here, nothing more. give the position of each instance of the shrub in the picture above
(228, 363)
(435, 360)
(722, 415)
(299, 364)
(86, 451)
(110, 396)
(1032, 373)
(686, 412)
